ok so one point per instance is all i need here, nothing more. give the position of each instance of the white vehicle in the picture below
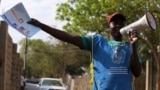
(31, 86)
(51, 84)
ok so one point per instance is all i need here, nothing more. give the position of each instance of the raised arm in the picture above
(135, 64)
(59, 34)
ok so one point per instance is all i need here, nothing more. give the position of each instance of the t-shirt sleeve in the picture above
(87, 42)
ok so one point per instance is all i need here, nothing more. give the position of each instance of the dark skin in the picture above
(114, 27)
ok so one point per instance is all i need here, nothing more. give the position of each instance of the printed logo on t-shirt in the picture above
(118, 55)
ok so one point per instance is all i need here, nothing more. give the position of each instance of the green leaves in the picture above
(45, 60)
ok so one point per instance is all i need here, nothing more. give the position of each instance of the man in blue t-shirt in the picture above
(114, 61)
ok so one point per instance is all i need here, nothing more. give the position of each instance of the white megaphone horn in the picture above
(146, 22)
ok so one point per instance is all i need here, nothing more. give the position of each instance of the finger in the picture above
(129, 35)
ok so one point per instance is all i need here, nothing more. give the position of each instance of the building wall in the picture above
(10, 61)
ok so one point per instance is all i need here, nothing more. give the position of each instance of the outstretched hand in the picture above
(34, 22)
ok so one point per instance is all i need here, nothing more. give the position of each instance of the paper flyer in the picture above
(17, 17)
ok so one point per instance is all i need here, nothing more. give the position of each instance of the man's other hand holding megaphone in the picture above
(133, 36)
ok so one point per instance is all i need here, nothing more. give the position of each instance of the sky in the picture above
(42, 10)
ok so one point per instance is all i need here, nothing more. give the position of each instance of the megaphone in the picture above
(146, 22)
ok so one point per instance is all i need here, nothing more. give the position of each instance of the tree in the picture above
(84, 16)
(47, 60)
(37, 61)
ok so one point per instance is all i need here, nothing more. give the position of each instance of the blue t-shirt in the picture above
(111, 63)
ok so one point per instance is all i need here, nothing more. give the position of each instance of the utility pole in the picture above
(25, 56)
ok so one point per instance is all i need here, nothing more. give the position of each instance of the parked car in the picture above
(51, 84)
(32, 84)
(45, 84)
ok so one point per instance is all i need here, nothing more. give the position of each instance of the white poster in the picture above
(17, 17)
